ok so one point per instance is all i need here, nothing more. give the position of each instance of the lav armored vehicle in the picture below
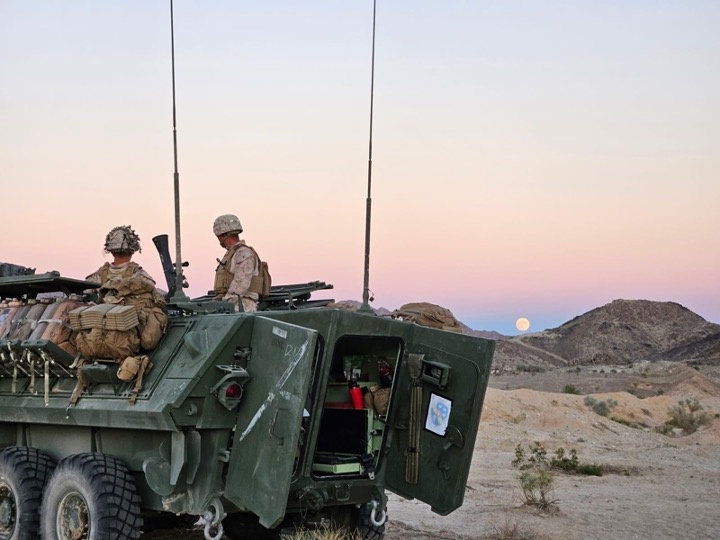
(245, 421)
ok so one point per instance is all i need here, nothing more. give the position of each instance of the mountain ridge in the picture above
(618, 333)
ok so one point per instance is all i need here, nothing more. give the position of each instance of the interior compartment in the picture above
(350, 438)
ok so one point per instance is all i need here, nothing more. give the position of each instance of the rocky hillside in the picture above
(622, 332)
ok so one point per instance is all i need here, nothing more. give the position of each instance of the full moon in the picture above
(522, 324)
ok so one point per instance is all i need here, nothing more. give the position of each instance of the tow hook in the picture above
(377, 519)
(213, 517)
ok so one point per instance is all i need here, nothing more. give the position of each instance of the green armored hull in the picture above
(245, 420)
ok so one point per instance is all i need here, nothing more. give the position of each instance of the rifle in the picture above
(161, 243)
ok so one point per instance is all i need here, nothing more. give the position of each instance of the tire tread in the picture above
(32, 468)
(118, 503)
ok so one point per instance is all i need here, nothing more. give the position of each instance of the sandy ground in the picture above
(660, 487)
(663, 487)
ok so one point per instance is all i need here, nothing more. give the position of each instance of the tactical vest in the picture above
(132, 289)
(129, 271)
(224, 275)
(106, 273)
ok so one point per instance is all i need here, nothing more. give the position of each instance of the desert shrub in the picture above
(561, 461)
(535, 476)
(590, 469)
(324, 532)
(686, 415)
(536, 480)
(624, 422)
(570, 389)
(600, 407)
(572, 464)
(510, 530)
(530, 369)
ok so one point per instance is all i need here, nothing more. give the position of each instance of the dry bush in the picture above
(536, 480)
(600, 407)
(686, 415)
(324, 532)
(511, 530)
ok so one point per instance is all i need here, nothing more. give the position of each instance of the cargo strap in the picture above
(81, 384)
(412, 459)
(145, 365)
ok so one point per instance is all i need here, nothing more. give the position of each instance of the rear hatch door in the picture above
(269, 418)
(446, 376)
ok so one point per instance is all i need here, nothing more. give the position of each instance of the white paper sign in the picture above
(438, 414)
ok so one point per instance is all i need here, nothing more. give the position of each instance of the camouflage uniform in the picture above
(110, 270)
(233, 276)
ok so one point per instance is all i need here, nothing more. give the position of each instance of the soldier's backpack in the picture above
(263, 281)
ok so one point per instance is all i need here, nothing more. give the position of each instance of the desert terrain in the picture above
(643, 358)
(659, 486)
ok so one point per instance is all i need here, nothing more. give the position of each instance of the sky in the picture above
(531, 159)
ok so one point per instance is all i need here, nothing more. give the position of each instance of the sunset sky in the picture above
(530, 159)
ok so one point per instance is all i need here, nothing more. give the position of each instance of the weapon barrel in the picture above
(161, 243)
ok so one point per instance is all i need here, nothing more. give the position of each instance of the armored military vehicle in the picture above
(297, 415)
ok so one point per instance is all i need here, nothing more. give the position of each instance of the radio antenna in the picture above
(368, 201)
(179, 295)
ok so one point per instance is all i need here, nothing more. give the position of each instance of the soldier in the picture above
(125, 282)
(237, 277)
(121, 242)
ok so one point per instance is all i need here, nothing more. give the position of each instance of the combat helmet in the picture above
(122, 239)
(227, 223)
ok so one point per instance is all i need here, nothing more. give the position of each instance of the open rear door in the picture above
(269, 418)
(437, 399)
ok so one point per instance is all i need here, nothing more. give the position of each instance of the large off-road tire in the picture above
(23, 474)
(91, 497)
(357, 520)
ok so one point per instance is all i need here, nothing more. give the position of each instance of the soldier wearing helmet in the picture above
(121, 242)
(235, 272)
(123, 281)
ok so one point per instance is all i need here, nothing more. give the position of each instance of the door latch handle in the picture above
(454, 438)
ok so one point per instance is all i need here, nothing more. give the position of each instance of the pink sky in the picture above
(528, 162)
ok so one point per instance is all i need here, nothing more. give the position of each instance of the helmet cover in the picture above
(122, 239)
(227, 223)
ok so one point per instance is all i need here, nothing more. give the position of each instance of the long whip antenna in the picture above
(368, 201)
(179, 280)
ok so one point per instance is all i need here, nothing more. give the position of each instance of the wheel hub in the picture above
(8, 510)
(73, 518)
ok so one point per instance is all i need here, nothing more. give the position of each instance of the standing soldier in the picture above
(237, 278)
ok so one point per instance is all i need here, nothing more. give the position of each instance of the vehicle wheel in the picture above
(357, 520)
(23, 473)
(91, 497)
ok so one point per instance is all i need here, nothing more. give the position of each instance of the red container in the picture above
(356, 396)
